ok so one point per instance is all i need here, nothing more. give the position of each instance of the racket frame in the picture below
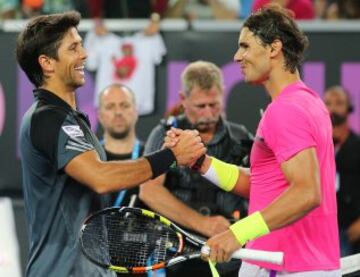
(181, 234)
(183, 237)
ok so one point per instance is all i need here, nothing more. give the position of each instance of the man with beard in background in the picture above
(347, 149)
(183, 195)
(118, 116)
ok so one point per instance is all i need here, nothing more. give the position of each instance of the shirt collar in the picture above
(53, 99)
(296, 86)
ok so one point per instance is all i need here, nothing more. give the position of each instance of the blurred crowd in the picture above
(188, 9)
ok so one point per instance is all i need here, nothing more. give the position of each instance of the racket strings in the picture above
(131, 241)
(166, 248)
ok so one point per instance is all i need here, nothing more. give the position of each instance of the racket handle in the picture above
(259, 256)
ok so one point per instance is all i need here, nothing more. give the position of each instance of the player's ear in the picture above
(46, 63)
(276, 47)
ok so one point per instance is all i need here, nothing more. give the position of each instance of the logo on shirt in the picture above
(73, 131)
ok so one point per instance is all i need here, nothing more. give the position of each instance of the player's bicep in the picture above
(83, 168)
(72, 142)
(44, 132)
(302, 170)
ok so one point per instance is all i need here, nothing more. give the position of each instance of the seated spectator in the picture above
(120, 8)
(245, 8)
(302, 9)
(8, 9)
(203, 9)
(159, 6)
(321, 6)
(347, 149)
(30, 8)
(57, 6)
(343, 9)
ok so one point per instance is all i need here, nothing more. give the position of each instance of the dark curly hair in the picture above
(274, 22)
(42, 36)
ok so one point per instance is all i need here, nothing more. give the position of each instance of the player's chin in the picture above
(81, 81)
(248, 79)
(78, 83)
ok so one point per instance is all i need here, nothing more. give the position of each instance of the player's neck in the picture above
(66, 94)
(120, 146)
(278, 80)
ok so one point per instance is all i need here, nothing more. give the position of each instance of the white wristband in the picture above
(211, 175)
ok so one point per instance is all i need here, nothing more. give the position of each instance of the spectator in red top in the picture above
(302, 9)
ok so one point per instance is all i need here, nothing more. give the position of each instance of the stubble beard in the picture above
(119, 134)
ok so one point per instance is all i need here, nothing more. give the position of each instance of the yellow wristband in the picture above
(222, 174)
(249, 228)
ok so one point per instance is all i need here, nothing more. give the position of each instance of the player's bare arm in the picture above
(303, 175)
(104, 177)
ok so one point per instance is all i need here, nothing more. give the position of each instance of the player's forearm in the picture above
(291, 206)
(117, 175)
(104, 177)
(159, 199)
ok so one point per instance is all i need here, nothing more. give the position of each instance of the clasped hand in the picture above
(185, 144)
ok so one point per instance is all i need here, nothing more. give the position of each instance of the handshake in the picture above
(186, 145)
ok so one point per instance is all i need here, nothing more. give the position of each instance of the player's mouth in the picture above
(80, 69)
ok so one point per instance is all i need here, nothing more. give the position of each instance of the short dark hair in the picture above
(348, 9)
(42, 36)
(274, 22)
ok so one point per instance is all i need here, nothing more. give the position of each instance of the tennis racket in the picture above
(133, 240)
